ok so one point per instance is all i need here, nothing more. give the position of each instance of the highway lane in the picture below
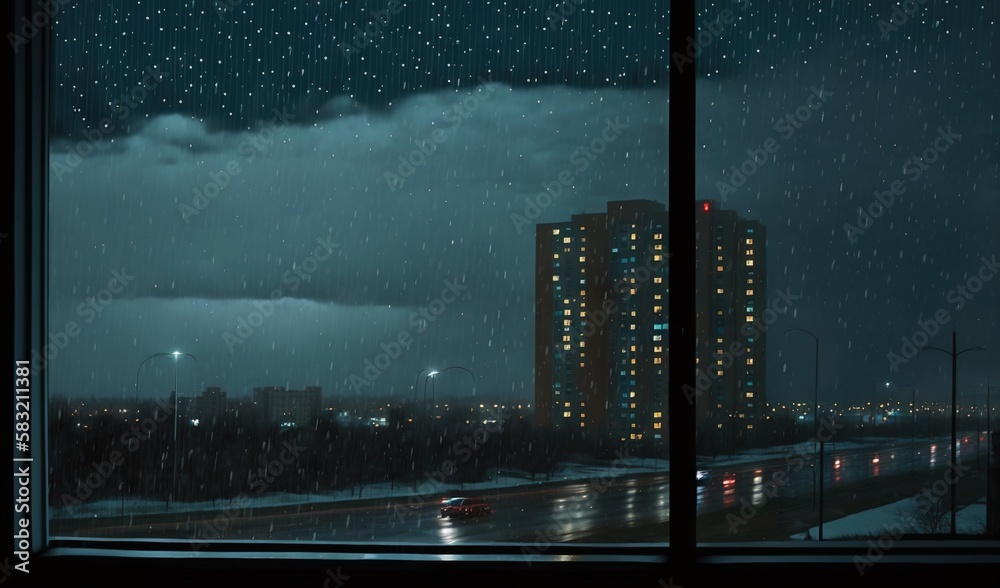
(574, 511)
(760, 481)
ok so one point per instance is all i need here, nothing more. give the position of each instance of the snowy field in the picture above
(888, 519)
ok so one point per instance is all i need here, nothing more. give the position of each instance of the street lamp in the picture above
(430, 376)
(874, 426)
(176, 355)
(415, 380)
(173, 491)
(913, 421)
(975, 397)
(954, 353)
(816, 427)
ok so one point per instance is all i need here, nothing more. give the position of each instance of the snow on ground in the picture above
(428, 489)
(889, 519)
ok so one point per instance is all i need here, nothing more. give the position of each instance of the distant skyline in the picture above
(301, 206)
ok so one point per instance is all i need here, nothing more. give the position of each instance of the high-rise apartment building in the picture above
(731, 275)
(602, 322)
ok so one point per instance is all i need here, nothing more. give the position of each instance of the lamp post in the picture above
(991, 503)
(415, 380)
(173, 491)
(874, 426)
(954, 353)
(176, 355)
(975, 397)
(417, 456)
(816, 427)
(913, 420)
(430, 376)
(913, 426)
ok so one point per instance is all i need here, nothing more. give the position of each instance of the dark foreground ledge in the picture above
(262, 564)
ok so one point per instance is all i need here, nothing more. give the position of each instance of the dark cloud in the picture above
(322, 179)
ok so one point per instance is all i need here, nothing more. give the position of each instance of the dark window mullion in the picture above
(682, 366)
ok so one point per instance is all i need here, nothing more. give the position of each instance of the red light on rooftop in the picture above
(706, 207)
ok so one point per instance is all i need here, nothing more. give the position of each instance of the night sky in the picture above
(552, 84)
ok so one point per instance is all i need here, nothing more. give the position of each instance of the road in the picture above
(627, 508)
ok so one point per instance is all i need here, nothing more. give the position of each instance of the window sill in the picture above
(150, 563)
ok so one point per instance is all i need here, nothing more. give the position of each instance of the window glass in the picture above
(848, 149)
(301, 253)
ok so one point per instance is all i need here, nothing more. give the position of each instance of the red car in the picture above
(465, 507)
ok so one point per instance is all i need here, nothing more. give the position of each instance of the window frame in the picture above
(684, 560)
